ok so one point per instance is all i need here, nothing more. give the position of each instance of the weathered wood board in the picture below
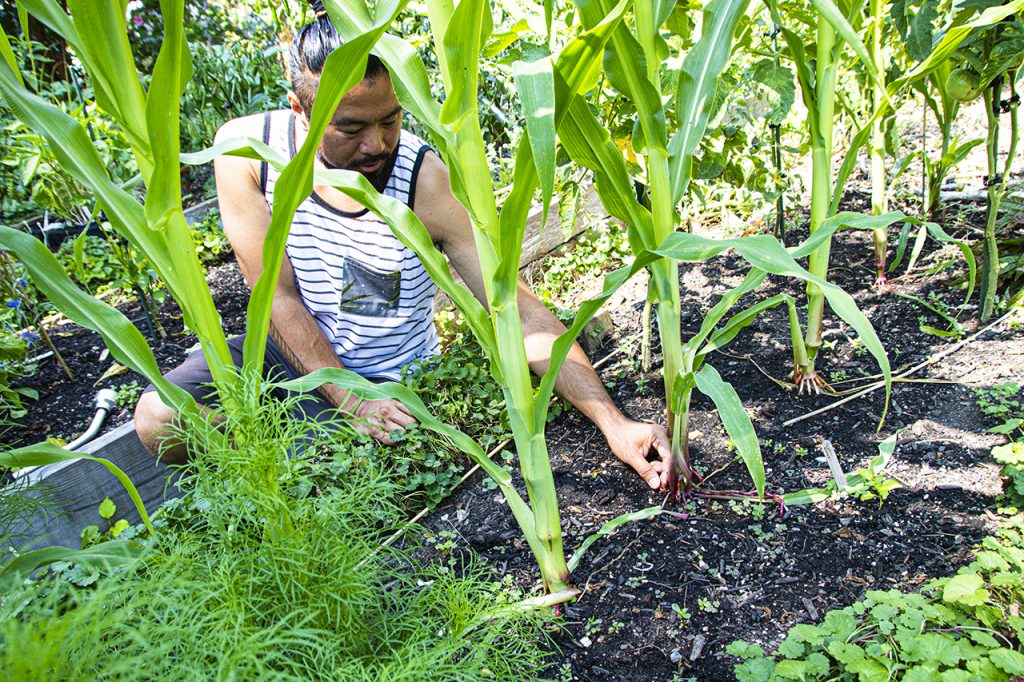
(74, 490)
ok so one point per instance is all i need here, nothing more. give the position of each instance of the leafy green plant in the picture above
(458, 389)
(234, 78)
(603, 246)
(964, 627)
(1003, 404)
(209, 238)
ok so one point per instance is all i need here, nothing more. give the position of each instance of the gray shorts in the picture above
(193, 375)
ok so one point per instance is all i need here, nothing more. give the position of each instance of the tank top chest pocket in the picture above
(369, 292)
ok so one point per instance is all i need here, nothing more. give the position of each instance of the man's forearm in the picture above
(577, 381)
(304, 344)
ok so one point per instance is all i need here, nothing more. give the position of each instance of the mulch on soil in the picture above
(737, 575)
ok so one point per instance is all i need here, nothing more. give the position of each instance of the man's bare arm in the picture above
(577, 381)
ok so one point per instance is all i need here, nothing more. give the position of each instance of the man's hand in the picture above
(380, 418)
(632, 441)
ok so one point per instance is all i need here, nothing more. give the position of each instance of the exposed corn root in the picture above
(882, 285)
(810, 383)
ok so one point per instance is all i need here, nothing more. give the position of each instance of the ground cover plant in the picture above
(967, 626)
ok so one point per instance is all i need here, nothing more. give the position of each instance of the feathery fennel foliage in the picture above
(257, 574)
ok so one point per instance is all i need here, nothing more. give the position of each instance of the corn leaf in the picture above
(463, 39)
(834, 16)
(740, 321)
(626, 69)
(343, 69)
(762, 251)
(126, 343)
(170, 74)
(736, 421)
(752, 281)
(44, 453)
(588, 143)
(698, 80)
(105, 555)
(535, 83)
(103, 38)
(610, 527)
(8, 55)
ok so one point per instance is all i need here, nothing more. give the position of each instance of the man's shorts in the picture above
(193, 375)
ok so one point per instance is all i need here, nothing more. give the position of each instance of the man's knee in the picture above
(154, 424)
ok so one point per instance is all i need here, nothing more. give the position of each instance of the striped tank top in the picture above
(369, 294)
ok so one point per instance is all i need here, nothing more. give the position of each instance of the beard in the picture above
(378, 178)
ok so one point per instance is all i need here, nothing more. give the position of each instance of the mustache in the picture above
(367, 160)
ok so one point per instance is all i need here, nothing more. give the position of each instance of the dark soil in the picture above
(65, 408)
(739, 574)
(734, 572)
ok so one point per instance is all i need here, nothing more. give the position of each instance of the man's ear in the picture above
(296, 106)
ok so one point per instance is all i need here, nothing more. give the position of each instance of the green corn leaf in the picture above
(588, 143)
(579, 62)
(75, 152)
(465, 35)
(170, 74)
(578, 67)
(535, 83)
(698, 80)
(958, 152)
(901, 246)
(103, 38)
(106, 555)
(48, 453)
(611, 527)
(626, 68)
(834, 16)
(125, 342)
(763, 252)
(736, 421)
(683, 384)
(752, 281)
(8, 55)
(741, 321)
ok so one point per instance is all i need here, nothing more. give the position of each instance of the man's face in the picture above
(363, 134)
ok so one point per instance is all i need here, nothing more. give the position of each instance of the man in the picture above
(349, 293)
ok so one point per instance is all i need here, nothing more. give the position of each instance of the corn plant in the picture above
(817, 67)
(96, 31)
(933, 68)
(994, 55)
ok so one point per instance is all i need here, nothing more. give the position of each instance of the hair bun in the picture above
(318, 7)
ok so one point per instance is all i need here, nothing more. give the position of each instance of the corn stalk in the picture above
(997, 184)
(97, 33)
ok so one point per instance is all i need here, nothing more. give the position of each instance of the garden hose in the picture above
(106, 400)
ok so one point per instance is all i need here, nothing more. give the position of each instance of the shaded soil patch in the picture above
(65, 407)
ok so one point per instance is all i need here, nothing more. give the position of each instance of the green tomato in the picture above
(963, 85)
